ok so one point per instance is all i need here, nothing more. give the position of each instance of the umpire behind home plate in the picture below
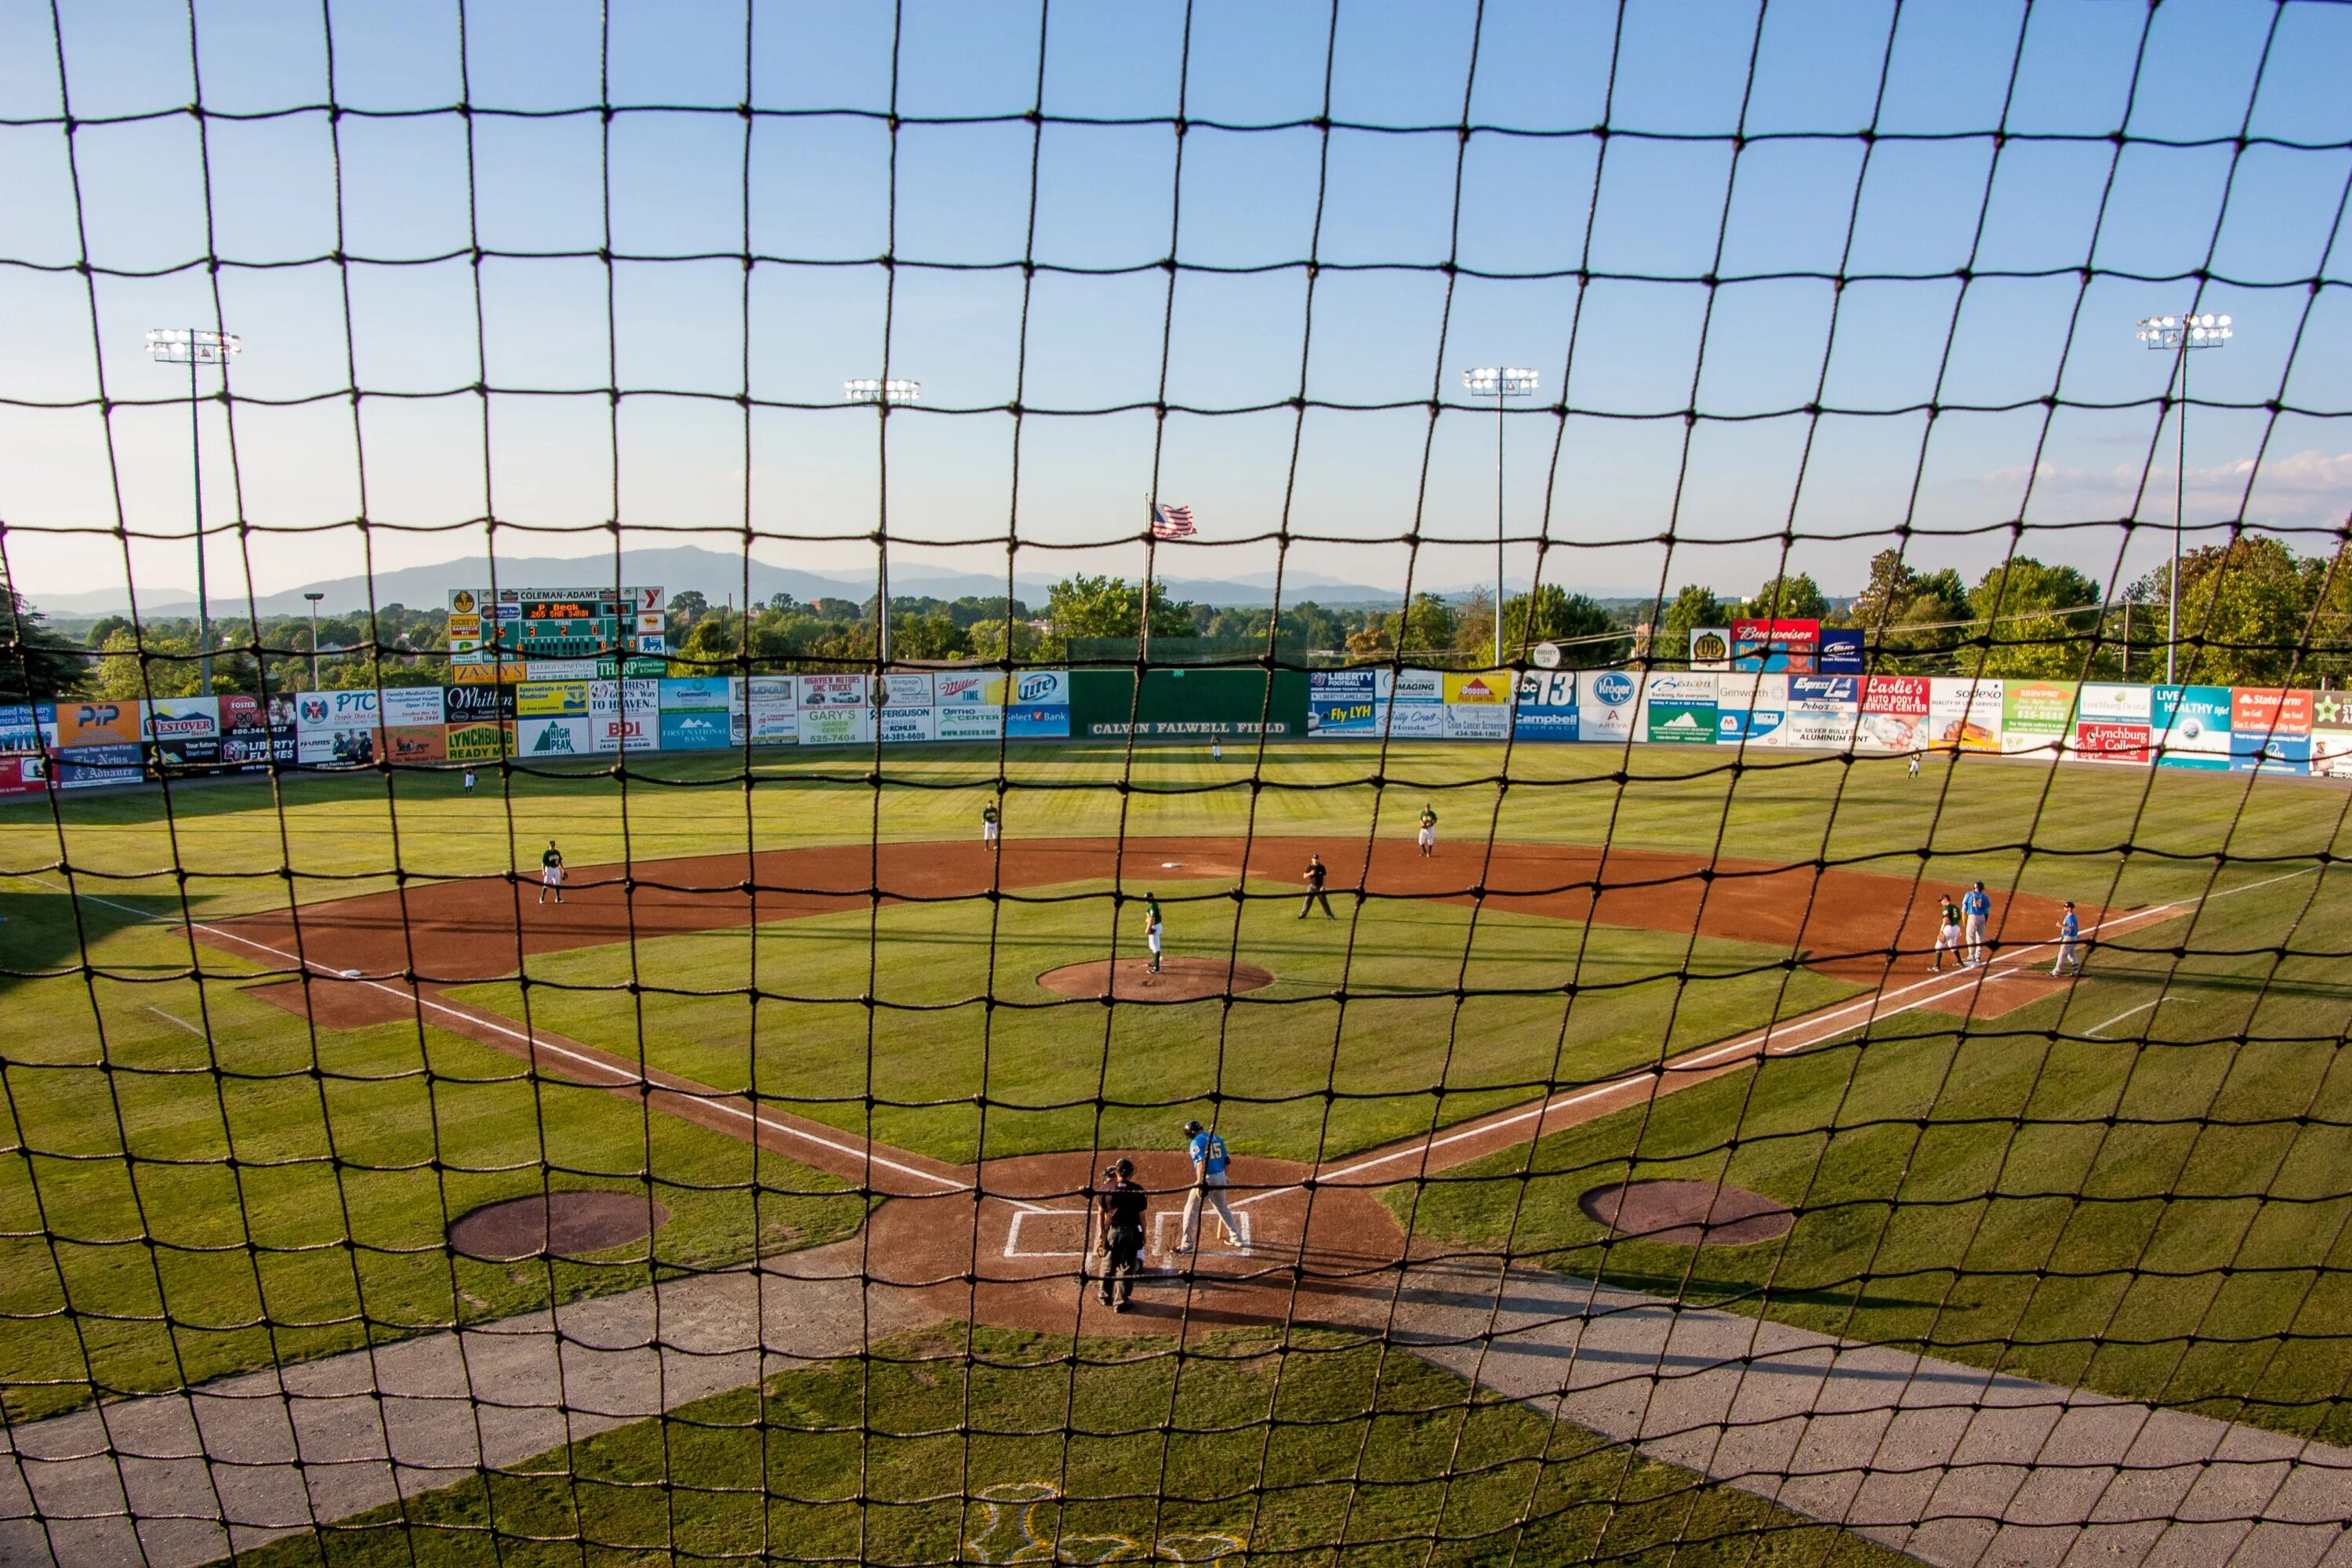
(1122, 1203)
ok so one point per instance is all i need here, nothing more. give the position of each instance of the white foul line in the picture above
(1762, 1041)
(170, 1018)
(612, 1069)
(2096, 1029)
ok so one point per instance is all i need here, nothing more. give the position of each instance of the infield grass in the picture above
(954, 1075)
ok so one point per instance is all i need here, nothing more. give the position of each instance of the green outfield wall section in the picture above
(1179, 702)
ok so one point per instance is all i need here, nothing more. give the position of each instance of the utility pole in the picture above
(883, 393)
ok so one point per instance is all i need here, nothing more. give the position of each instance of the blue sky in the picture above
(1666, 200)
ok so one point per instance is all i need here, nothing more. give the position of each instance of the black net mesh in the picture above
(1615, 1152)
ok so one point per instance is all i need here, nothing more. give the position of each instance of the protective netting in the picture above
(1632, 1158)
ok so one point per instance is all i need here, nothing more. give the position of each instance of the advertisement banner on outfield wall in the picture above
(551, 700)
(1963, 715)
(336, 729)
(407, 707)
(2289, 755)
(1841, 651)
(1894, 714)
(1750, 727)
(1478, 705)
(1343, 704)
(412, 745)
(20, 732)
(2037, 717)
(2331, 734)
(698, 694)
(1790, 644)
(1678, 708)
(970, 722)
(2269, 729)
(905, 712)
(1608, 700)
(482, 741)
(1822, 712)
(834, 710)
(968, 689)
(568, 736)
(772, 709)
(907, 689)
(1040, 709)
(97, 723)
(625, 716)
(21, 774)
(901, 726)
(2191, 724)
(2111, 723)
(1547, 705)
(2259, 710)
(477, 704)
(182, 718)
(696, 729)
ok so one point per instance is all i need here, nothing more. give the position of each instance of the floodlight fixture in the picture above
(873, 389)
(2177, 335)
(1499, 382)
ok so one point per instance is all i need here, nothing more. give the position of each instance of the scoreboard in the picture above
(489, 626)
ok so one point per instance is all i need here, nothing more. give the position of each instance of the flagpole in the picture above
(1151, 557)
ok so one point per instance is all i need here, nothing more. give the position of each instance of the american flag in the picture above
(1171, 522)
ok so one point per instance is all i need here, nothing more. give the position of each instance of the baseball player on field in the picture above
(1151, 928)
(1428, 831)
(991, 826)
(1947, 934)
(1976, 908)
(550, 873)
(2070, 942)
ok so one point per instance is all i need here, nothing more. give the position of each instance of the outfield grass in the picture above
(2148, 1200)
(1404, 1053)
(1283, 1448)
(173, 1210)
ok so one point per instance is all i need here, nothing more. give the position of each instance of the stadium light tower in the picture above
(882, 394)
(194, 346)
(2175, 335)
(1499, 382)
(314, 598)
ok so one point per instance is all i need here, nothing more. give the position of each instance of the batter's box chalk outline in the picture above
(1021, 1216)
(1163, 1241)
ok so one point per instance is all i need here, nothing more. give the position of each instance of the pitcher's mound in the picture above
(1178, 980)
(556, 1225)
(1687, 1213)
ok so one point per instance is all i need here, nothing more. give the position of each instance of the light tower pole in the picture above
(2175, 335)
(194, 346)
(314, 598)
(1499, 382)
(884, 395)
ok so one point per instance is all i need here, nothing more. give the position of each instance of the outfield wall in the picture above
(79, 745)
(2218, 728)
(2215, 727)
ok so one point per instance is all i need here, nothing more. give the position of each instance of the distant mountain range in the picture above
(717, 576)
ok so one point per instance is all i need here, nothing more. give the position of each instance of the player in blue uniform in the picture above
(1976, 908)
(2070, 942)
